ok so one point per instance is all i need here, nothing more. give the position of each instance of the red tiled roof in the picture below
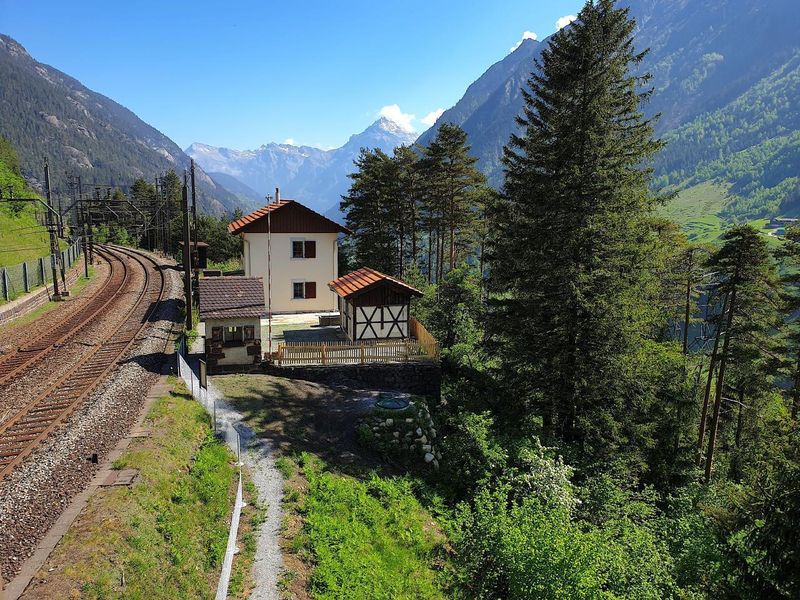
(231, 297)
(363, 279)
(262, 212)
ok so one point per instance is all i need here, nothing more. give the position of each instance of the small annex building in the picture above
(298, 248)
(232, 309)
(373, 306)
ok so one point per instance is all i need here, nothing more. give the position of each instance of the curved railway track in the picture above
(31, 352)
(28, 428)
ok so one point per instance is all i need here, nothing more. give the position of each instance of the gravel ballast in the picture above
(36, 493)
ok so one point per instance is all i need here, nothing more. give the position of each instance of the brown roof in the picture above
(198, 244)
(288, 216)
(365, 278)
(231, 297)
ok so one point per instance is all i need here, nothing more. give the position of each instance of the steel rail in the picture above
(22, 434)
(37, 349)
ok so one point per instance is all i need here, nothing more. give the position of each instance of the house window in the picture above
(304, 249)
(304, 289)
(234, 335)
(249, 333)
(216, 334)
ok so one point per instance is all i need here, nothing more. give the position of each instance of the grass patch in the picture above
(368, 538)
(165, 536)
(698, 211)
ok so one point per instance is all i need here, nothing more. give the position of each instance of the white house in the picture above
(373, 306)
(300, 247)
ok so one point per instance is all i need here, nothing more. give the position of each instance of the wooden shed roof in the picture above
(288, 216)
(364, 279)
(231, 298)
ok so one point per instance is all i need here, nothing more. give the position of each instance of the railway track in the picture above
(37, 349)
(28, 428)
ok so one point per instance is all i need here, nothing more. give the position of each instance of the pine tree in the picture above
(453, 187)
(370, 211)
(746, 281)
(572, 236)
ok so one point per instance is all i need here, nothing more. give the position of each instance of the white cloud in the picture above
(394, 114)
(290, 141)
(431, 117)
(528, 35)
(564, 21)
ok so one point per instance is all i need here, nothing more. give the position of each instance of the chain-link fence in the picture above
(224, 428)
(16, 280)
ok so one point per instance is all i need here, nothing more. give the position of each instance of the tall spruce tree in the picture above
(573, 236)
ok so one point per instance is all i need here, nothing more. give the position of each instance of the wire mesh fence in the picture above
(19, 279)
(224, 426)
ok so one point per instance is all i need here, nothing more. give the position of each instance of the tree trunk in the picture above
(712, 364)
(688, 303)
(430, 256)
(712, 436)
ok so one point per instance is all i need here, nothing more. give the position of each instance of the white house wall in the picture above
(378, 331)
(287, 270)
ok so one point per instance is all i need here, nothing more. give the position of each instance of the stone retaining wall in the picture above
(406, 435)
(418, 378)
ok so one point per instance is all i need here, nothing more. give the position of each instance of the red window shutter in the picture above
(311, 249)
(311, 289)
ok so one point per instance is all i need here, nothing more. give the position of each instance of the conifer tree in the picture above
(453, 186)
(746, 279)
(573, 236)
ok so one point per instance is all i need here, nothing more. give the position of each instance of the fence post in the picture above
(361, 349)
(25, 281)
(41, 270)
(6, 295)
(323, 354)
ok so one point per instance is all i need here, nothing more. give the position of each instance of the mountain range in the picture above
(318, 177)
(726, 76)
(44, 112)
(726, 84)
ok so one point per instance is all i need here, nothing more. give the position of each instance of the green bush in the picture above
(526, 550)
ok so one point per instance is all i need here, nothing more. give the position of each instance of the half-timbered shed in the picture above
(373, 306)
(232, 309)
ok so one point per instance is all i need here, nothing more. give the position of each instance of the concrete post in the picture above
(25, 281)
(6, 295)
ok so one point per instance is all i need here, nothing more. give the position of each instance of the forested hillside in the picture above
(619, 414)
(44, 112)
(752, 143)
(21, 235)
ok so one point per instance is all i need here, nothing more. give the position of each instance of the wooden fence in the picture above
(353, 353)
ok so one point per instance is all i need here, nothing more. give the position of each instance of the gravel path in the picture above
(258, 457)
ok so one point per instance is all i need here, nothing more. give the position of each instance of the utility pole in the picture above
(194, 212)
(187, 267)
(51, 229)
(83, 217)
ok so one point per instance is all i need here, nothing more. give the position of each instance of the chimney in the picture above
(277, 194)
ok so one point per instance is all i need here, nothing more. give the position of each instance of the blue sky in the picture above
(244, 73)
